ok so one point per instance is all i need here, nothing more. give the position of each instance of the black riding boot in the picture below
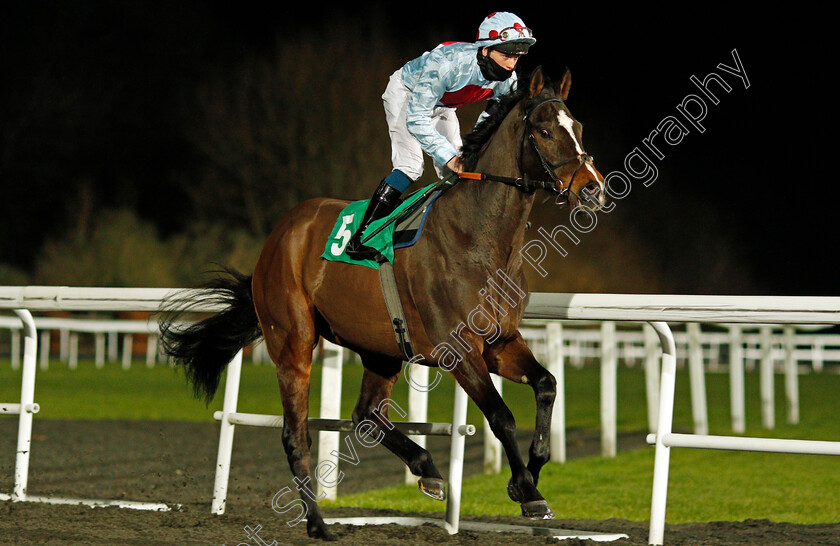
(385, 199)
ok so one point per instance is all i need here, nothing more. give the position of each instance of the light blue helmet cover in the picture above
(506, 32)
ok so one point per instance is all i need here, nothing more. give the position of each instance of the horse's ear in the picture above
(562, 89)
(537, 83)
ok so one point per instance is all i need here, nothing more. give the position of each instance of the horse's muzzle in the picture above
(591, 196)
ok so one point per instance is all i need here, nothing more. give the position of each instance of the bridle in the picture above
(529, 185)
(582, 159)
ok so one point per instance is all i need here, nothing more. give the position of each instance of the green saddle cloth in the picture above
(348, 222)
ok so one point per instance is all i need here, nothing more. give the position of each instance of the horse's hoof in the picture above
(537, 509)
(434, 487)
(320, 532)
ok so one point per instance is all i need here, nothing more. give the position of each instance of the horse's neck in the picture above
(493, 214)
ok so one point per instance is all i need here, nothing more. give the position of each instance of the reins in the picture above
(523, 183)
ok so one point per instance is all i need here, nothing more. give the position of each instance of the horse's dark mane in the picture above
(481, 133)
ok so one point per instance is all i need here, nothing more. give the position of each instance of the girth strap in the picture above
(395, 309)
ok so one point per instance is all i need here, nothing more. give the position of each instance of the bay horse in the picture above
(475, 231)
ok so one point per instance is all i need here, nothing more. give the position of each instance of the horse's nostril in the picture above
(591, 195)
(592, 189)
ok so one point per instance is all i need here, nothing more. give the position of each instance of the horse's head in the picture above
(553, 145)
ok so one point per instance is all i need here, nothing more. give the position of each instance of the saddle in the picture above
(400, 229)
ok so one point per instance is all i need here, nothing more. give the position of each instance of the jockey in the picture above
(420, 102)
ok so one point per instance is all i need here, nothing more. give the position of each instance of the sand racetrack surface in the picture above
(174, 463)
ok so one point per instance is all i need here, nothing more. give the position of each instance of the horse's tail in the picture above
(205, 348)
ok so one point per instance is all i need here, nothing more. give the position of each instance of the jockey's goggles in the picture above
(514, 33)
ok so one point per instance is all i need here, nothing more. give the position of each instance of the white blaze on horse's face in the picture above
(568, 124)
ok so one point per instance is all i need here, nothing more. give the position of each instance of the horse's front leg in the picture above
(473, 376)
(516, 363)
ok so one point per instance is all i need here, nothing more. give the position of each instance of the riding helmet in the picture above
(505, 32)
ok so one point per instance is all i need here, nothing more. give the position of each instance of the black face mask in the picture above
(491, 70)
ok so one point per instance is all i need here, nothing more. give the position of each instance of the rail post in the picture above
(609, 370)
(556, 356)
(27, 405)
(736, 380)
(662, 456)
(234, 371)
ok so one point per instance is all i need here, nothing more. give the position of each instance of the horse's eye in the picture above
(544, 133)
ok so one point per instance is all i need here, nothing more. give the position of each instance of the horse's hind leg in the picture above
(374, 403)
(290, 341)
(516, 362)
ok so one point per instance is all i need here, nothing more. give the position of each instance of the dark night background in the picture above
(96, 100)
